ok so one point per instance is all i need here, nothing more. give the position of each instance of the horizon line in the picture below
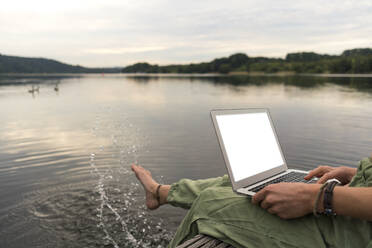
(187, 63)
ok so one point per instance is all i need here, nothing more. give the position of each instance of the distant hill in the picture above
(14, 64)
(358, 52)
(306, 57)
(357, 60)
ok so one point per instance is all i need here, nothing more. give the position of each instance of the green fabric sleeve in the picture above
(363, 177)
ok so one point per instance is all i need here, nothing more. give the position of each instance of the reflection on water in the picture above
(65, 150)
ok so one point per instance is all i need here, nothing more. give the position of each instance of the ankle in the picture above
(157, 192)
(163, 194)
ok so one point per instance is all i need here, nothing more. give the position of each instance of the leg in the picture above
(186, 191)
(180, 194)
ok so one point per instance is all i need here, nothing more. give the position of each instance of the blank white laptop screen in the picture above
(250, 143)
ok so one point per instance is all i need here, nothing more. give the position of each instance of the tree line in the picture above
(15, 64)
(357, 60)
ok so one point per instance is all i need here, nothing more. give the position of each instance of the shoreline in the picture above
(190, 75)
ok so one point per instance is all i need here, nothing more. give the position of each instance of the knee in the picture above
(205, 200)
(210, 193)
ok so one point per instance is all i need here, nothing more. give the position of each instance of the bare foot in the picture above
(150, 186)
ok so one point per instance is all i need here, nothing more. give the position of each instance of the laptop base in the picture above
(291, 176)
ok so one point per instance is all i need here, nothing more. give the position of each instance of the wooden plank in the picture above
(200, 242)
(204, 241)
(189, 242)
(223, 245)
(211, 244)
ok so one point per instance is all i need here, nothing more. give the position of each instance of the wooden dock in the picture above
(204, 241)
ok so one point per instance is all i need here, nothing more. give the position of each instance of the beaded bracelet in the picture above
(328, 194)
(319, 194)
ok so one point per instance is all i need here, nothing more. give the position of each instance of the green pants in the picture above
(215, 210)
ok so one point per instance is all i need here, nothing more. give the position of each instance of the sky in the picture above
(105, 33)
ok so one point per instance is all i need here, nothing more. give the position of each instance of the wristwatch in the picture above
(328, 195)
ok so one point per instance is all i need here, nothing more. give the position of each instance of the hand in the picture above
(287, 200)
(343, 174)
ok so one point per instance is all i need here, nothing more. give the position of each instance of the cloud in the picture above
(116, 33)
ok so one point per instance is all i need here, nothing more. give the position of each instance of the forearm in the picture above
(348, 201)
(353, 201)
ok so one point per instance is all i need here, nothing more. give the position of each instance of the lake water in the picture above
(66, 149)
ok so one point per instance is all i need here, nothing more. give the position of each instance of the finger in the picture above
(325, 177)
(272, 210)
(259, 196)
(318, 172)
(265, 205)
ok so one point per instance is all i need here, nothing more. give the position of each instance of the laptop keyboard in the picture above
(292, 176)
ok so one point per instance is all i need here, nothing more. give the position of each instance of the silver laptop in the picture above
(251, 150)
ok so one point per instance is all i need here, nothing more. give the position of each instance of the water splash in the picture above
(121, 213)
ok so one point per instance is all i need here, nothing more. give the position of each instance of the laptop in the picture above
(251, 150)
